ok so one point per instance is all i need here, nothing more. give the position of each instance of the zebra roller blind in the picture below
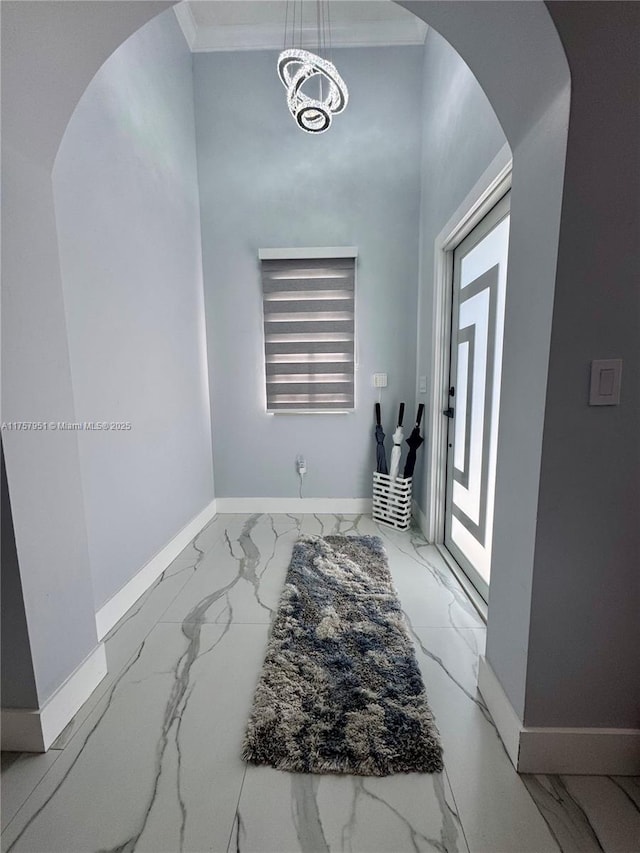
(309, 332)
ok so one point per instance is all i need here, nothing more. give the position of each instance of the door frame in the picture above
(492, 186)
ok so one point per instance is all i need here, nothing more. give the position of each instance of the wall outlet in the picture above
(301, 465)
(422, 384)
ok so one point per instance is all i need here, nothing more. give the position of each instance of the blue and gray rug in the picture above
(340, 689)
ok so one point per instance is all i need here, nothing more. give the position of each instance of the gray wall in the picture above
(584, 666)
(127, 213)
(515, 52)
(17, 683)
(50, 52)
(460, 137)
(265, 183)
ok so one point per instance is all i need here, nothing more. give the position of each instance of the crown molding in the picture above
(238, 37)
(187, 23)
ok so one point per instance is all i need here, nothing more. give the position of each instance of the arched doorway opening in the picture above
(502, 47)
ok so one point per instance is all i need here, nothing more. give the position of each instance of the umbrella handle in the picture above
(401, 414)
(378, 414)
(420, 413)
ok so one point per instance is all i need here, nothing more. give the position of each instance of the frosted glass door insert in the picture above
(479, 286)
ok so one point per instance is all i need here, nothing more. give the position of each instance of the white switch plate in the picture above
(606, 377)
(422, 385)
(379, 380)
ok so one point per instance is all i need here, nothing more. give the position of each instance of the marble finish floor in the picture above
(151, 761)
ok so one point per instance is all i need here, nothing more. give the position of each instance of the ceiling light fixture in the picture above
(297, 67)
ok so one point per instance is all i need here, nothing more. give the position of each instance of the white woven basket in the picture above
(392, 500)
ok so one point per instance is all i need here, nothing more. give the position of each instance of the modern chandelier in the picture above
(300, 71)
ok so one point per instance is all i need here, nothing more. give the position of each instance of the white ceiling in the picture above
(259, 24)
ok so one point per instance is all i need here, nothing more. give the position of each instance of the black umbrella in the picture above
(414, 441)
(381, 456)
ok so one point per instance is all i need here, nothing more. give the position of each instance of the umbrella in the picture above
(414, 441)
(398, 435)
(381, 456)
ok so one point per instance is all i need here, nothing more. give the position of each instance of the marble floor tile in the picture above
(20, 775)
(152, 761)
(120, 643)
(240, 580)
(127, 635)
(588, 814)
(495, 808)
(301, 813)
(430, 594)
(326, 524)
(156, 766)
(631, 786)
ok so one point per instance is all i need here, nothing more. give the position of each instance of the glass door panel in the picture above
(479, 287)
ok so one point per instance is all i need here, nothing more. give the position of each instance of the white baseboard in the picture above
(572, 751)
(420, 517)
(340, 506)
(111, 612)
(585, 752)
(507, 721)
(26, 730)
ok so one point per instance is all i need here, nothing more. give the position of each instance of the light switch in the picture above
(606, 382)
(606, 376)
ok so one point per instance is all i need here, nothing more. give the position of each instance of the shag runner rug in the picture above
(340, 689)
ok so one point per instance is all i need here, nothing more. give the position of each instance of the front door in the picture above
(479, 286)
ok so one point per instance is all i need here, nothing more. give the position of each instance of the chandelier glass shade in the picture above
(295, 68)
(300, 71)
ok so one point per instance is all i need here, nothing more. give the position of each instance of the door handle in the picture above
(448, 413)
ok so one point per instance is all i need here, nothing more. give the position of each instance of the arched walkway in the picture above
(52, 52)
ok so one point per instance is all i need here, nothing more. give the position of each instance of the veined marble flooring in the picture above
(151, 762)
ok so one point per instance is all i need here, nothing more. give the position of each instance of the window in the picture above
(309, 329)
